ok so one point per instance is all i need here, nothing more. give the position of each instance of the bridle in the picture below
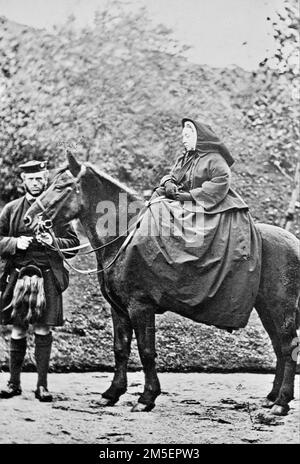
(61, 199)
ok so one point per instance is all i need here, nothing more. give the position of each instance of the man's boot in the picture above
(17, 354)
(43, 345)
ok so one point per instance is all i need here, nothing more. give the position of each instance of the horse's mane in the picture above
(115, 182)
(102, 175)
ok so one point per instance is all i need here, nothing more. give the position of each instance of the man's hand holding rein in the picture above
(23, 242)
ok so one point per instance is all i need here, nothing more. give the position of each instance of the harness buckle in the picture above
(48, 224)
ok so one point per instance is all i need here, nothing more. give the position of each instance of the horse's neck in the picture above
(110, 211)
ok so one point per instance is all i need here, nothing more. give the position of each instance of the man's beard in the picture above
(34, 194)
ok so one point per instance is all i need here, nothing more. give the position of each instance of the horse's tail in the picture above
(28, 301)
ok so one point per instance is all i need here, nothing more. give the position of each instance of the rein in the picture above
(87, 244)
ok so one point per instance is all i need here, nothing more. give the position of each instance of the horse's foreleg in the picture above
(143, 321)
(122, 343)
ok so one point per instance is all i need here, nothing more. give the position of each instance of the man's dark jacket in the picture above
(12, 226)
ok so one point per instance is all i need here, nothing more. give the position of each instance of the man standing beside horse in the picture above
(33, 280)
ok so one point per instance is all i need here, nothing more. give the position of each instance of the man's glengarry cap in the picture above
(33, 166)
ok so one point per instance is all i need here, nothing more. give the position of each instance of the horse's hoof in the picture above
(103, 402)
(267, 403)
(140, 407)
(278, 410)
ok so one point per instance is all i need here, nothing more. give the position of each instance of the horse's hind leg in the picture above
(143, 321)
(289, 341)
(275, 339)
(279, 320)
(122, 343)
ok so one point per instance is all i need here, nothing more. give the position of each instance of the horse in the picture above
(77, 191)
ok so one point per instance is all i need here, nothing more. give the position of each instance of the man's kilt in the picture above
(53, 314)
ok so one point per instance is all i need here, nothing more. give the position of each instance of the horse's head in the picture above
(62, 201)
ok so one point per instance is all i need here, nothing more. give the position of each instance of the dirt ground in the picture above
(193, 408)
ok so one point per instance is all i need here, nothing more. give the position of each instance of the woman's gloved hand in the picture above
(183, 196)
(170, 189)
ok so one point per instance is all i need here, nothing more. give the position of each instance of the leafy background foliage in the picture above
(115, 94)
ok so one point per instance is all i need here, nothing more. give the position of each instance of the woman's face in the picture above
(189, 136)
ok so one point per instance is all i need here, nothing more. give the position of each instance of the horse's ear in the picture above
(74, 165)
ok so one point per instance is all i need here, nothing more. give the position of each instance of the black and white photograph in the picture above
(149, 225)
